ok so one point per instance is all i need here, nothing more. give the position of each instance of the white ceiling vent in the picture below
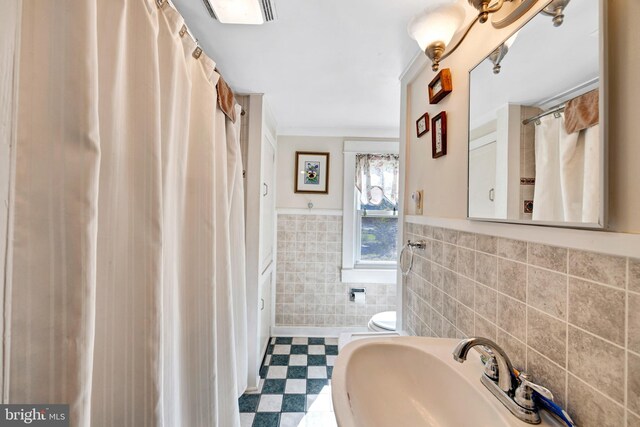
(269, 10)
(253, 12)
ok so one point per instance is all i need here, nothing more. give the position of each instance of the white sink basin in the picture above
(414, 382)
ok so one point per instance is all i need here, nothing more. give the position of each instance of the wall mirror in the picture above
(536, 123)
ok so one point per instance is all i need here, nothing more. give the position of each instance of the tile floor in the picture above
(295, 385)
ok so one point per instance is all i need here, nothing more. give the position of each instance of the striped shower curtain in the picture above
(124, 295)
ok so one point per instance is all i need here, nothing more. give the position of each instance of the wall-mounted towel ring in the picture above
(406, 271)
(421, 244)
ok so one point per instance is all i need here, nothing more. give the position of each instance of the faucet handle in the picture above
(527, 381)
(524, 392)
(488, 358)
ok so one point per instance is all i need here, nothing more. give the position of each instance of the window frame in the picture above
(352, 270)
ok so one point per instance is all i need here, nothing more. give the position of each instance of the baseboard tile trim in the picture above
(314, 331)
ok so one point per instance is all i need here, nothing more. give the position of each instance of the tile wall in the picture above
(308, 287)
(570, 318)
(527, 158)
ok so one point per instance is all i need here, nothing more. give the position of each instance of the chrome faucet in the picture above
(503, 375)
(514, 392)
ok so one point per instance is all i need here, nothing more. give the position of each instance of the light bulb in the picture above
(436, 24)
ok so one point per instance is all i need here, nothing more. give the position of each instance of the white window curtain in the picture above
(125, 296)
(377, 178)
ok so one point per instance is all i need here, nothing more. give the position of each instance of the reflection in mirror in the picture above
(535, 138)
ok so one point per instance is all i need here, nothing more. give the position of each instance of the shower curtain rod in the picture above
(557, 109)
(185, 30)
(560, 107)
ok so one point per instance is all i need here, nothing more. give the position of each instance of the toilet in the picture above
(381, 325)
(383, 322)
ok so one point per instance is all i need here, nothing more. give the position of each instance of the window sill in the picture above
(369, 275)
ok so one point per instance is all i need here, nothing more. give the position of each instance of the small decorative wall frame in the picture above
(422, 125)
(312, 172)
(439, 135)
(440, 86)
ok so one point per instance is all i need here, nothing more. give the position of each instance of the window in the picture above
(370, 214)
(377, 232)
(376, 183)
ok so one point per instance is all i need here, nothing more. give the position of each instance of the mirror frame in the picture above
(603, 109)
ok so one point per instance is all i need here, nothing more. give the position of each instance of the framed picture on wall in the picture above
(312, 172)
(440, 86)
(439, 135)
(422, 125)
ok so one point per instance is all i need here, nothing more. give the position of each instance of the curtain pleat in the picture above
(128, 291)
(238, 260)
(126, 385)
(9, 72)
(51, 328)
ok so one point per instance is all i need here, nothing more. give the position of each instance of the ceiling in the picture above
(327, 67)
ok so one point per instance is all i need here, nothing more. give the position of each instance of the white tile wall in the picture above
(569, 317)
(308, 287)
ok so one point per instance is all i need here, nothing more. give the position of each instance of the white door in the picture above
(264, 313)
(267, 204)
(482, 181)
(267, 239)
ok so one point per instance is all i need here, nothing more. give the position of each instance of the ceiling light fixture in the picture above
(434, 28)
(236, 11)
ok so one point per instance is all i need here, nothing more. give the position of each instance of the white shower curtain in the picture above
(125, 291)
(567, 184)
